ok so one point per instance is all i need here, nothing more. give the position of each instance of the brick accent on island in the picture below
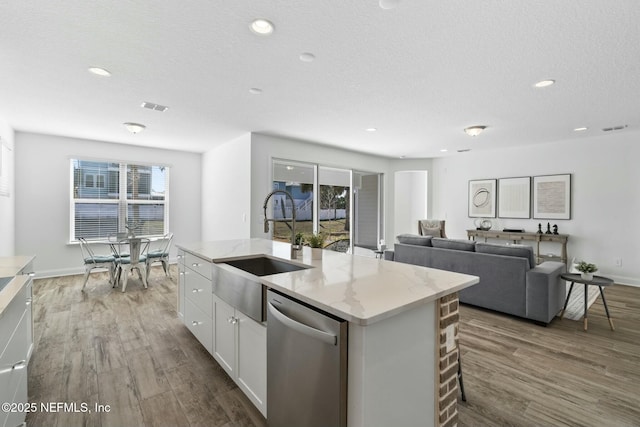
(448, 363)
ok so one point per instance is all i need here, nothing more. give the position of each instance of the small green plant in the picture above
(585, 267)
(298, 239)
(315, 240)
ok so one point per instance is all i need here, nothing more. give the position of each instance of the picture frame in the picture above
(482, 198)
(514, 197)
(552, 196)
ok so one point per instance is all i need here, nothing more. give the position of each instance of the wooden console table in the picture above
(532, 237)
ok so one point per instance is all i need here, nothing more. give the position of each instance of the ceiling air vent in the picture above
(152, 106)
(612, 128)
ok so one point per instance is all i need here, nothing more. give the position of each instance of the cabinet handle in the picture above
(195, 264)
(179, 256)
(232, 320)
(16, 366)
(196, 290)
(196, 323)
(29, 301)
(181, 273)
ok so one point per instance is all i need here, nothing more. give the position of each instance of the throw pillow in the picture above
(413, 239)
(434, 232)
(455, 244)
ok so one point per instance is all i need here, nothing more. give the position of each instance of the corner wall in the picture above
(7, 203)
(605, 195)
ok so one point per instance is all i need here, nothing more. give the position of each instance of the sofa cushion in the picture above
(413, 239)
(522, 251)
(455, 244)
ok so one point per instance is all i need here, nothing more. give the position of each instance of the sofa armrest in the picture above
(389, 255)
(545, 291)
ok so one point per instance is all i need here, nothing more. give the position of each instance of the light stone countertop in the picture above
(359, 289)
(11, 266)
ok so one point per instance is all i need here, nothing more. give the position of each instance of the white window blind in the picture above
(109, 198)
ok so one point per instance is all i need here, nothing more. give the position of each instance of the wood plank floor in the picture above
(517, 373)
(130, 351)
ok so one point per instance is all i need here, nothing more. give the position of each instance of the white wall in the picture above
(42, 205)
(226, 184)
(7, 204)
(410, 201)
(264, 148)
(605, 195)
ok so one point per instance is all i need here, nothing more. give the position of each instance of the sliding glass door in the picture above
(342, 204)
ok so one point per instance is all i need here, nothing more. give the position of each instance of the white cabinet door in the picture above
(224, 336)
(252, 360)
(200, 324)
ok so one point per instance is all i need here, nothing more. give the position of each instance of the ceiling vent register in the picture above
(152, 106)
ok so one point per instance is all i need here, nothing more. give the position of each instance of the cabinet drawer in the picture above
(552, 238)
(518, 236)
(11, 316)
(198, 290)
(199, 265)
(200, 325)
(181, 254)
(17, 350)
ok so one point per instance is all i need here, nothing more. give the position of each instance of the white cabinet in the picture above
(16, 343)
(196, 299)
(240, 346)
(237, 342)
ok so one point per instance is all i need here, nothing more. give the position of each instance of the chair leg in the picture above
(165, 266)
(144, 276)
(86, 278)
(126, 276)
(464, 396)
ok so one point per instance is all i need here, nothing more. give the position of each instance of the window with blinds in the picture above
(109, 198)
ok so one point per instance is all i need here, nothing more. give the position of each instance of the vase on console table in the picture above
(586, 276)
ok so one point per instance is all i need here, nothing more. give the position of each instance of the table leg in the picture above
(567, 300)
(586, 296)
(604, 301)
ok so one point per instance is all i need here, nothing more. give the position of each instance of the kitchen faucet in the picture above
(294, 247)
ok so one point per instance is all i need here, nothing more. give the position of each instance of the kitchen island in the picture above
(402, 327)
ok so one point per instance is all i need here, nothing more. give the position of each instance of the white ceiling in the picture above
(419, 72)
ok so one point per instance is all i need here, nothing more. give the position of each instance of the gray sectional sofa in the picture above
(510, 280)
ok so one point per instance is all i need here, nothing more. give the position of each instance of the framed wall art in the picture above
(514, 197)
(552, 197)
(482, 198)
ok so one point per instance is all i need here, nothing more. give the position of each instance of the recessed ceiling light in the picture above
(261, 27)
(544, 83)
(580, 129)
(255, 91)
(307, 57)
(443, 150)
(371, 129)
(134, 127)
(474, 130)
(100, 71)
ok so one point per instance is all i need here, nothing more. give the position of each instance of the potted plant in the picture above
(586, 270)
(316, 242)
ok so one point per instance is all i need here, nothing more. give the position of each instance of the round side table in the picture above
(598, 281)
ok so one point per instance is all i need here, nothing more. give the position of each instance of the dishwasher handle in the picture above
(301, 327)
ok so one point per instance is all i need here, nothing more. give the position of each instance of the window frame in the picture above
(124, 201)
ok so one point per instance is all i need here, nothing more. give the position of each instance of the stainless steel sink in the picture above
(244, 291)
(263, 266)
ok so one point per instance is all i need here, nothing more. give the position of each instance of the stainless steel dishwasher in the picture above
(306, 365)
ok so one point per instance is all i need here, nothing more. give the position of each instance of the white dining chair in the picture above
(93, 261)
(132, 255)
(160, 255)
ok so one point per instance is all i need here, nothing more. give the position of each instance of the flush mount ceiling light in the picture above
(580, 129)
(134, 127)
(307, 57)
(443, 150)
(255, 91)
(388, 4)
(474, 130)
(100, 71)
(261, 27)
(371, 129)
(544, 83)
